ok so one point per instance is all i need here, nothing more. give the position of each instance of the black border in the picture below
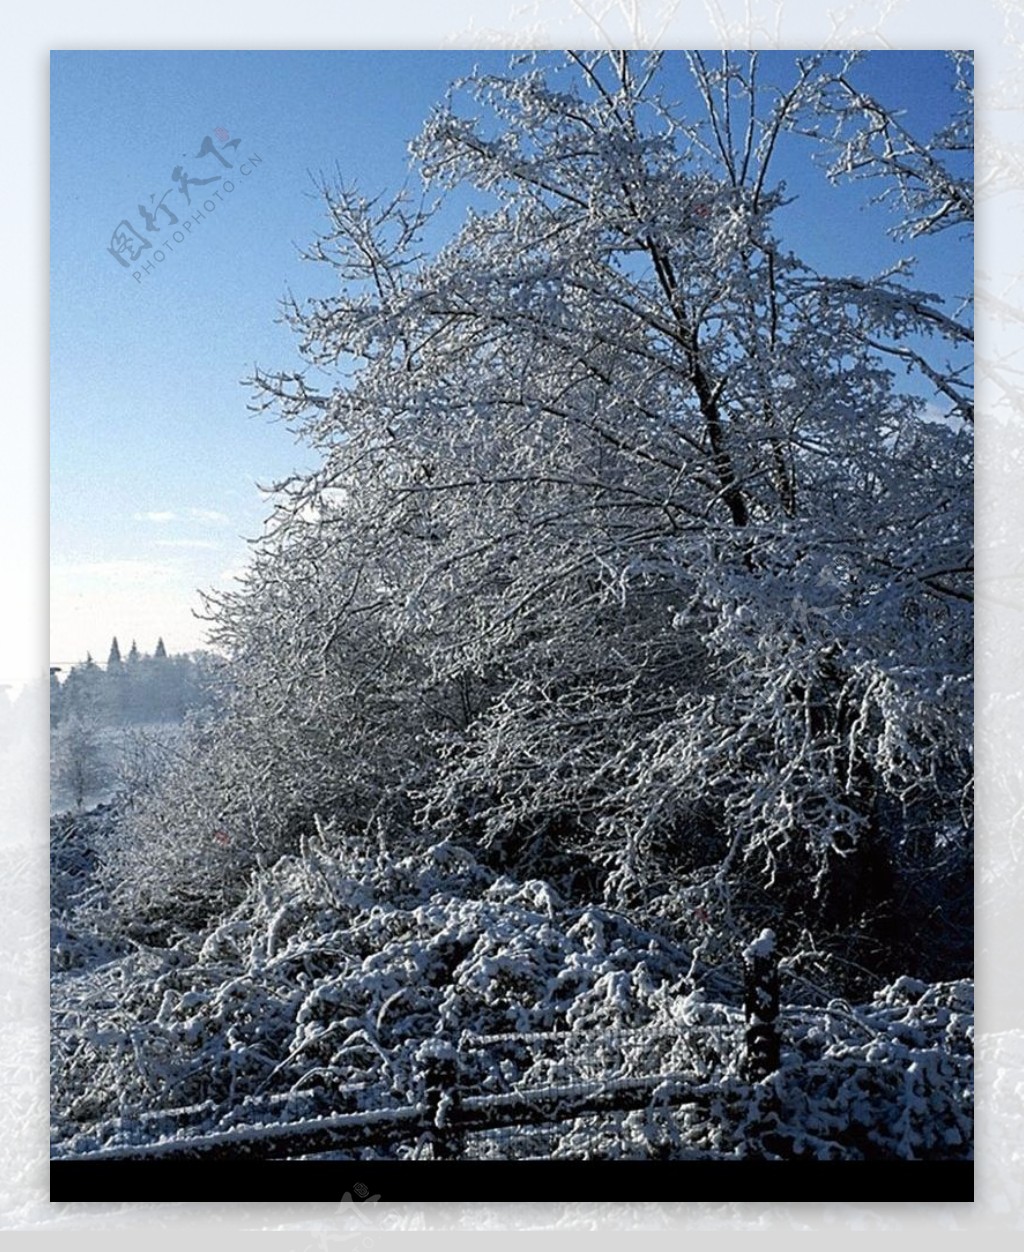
(442, 1181)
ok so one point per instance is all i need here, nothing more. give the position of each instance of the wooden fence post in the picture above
(761, 1007)
(441, 1096)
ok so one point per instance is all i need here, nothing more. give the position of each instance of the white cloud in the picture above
(189, 514)
(207, 515)
(932, 413)
(186, 543)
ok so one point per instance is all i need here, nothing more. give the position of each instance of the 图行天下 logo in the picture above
(167, 218)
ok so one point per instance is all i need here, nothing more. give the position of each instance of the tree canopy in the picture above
(638, 553)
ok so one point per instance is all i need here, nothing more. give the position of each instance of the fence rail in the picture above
(541, 1106)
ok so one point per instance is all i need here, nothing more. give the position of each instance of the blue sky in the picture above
(154, 458)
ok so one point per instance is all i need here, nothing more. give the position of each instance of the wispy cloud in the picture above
(187, 515)
(185, 543)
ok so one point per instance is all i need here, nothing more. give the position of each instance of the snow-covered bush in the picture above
(81, 935)
(321, 988)
(335, 966)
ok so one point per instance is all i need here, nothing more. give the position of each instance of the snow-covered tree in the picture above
(928, 181)
(55, 694)
(628, 556)
(82, 691)
(78, 766)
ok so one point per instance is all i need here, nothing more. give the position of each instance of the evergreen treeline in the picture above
(132, 689)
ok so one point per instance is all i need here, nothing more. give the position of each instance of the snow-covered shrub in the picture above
(333, 968)
(892, 1078)
(182, 850)
(80, 932)
(320, 988)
